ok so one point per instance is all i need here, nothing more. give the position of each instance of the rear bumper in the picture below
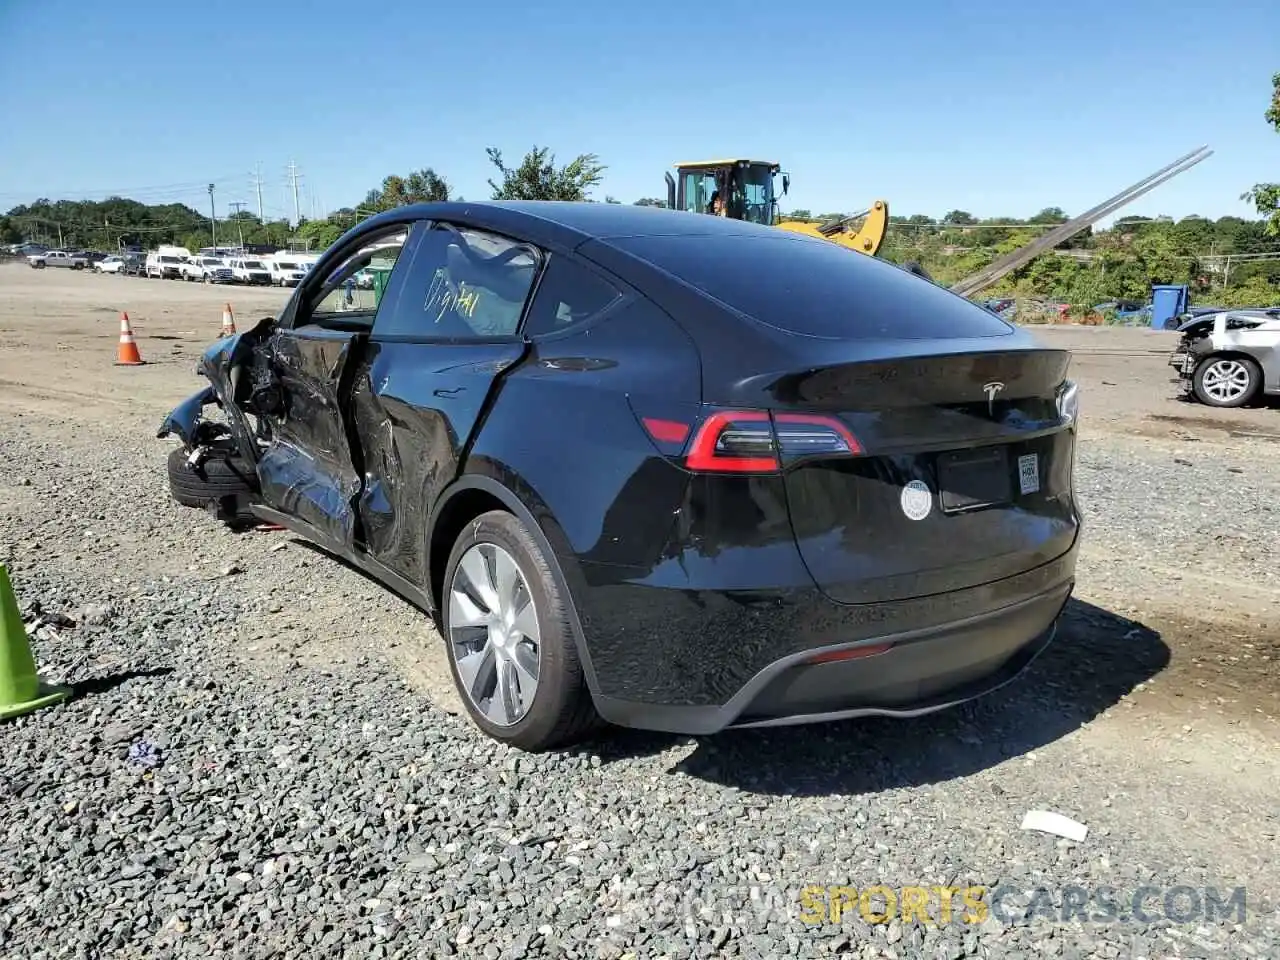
(915, 676)
(942, 651)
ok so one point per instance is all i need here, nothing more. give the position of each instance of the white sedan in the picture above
(111, 264)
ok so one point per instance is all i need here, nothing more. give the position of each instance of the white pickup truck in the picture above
(57, 258)
(287, 273)
(206, 269)
(250, 271)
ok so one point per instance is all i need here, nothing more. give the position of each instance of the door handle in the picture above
(449, 393)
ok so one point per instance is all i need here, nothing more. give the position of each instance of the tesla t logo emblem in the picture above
(991, 389)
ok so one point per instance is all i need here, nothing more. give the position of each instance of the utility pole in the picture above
(235, 212)
(213, 218)
(293, 182)
(257, 185)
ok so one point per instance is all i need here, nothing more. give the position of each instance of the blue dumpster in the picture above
(1168, 300)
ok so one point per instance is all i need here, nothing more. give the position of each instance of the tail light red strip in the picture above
(754, 441)
(718, 447)
(745, 441)
(856, 653)
(666, 431)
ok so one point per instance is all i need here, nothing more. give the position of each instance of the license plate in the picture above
(973, 478)
(1029, 474)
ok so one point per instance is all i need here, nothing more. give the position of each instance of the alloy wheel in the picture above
(1226, 380)
(494, 634)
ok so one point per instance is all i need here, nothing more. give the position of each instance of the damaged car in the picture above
(1229, 358)
(663, 471)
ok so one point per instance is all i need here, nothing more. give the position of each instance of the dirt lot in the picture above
(1153, 718)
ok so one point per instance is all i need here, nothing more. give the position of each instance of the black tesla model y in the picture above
(666, 470)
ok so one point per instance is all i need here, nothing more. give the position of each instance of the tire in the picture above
(1230, 381)
(560, 710)
(224, 481)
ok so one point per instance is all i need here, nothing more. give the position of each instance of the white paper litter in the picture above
(1055, 823)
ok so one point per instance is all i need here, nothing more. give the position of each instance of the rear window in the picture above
(815, 288)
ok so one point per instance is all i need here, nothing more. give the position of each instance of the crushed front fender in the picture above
(223, 364)
(184, 420)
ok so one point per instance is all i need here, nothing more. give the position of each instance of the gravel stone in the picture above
(314, 801)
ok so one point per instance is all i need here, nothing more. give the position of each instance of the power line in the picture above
(130, 193)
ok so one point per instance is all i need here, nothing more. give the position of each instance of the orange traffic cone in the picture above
(127, 354)
(228, 321)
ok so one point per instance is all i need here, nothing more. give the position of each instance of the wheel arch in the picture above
(473, 494)
(1228, 353)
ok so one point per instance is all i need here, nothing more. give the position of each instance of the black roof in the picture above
(569, 223)
(793, 283)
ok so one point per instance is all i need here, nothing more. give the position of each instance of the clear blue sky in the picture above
(996, 107)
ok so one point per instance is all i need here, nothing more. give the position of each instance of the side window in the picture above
(463, 284)
(356, 285)
(568, 294)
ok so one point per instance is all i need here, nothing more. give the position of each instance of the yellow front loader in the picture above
(744, 190)
(747, 190)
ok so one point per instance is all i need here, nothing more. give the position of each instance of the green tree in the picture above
(1050, 215)
(1255, 292)
(1266, 196)
(1163, 258)
(320, 234)
(420, 186)
(959, 218)
(650, 202)
(538, 178)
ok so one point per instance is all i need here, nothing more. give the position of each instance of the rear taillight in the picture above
(734, 441)
(666, 431)
(806, 435)
(755, 441)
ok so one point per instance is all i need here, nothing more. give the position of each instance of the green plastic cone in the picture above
(20, 688)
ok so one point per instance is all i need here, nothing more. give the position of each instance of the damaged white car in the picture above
(1230, 358)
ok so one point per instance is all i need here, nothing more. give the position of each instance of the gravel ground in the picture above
(262, 757)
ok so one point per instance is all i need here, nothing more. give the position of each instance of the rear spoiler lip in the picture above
(783, 385)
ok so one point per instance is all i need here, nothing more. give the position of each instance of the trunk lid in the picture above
(963, 475)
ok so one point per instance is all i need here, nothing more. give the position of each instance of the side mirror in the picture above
(786, 183)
